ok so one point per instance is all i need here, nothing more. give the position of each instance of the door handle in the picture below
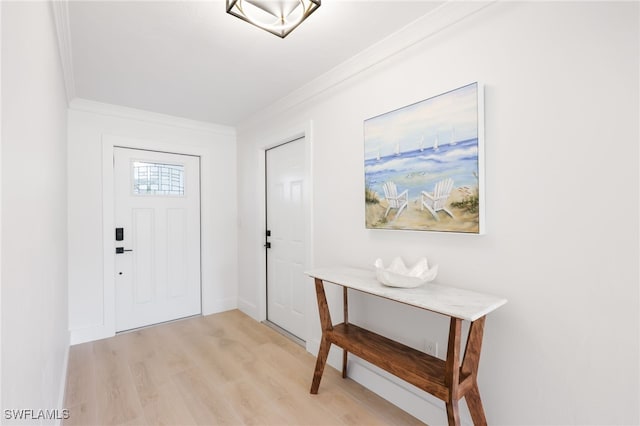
(267, 245)
(120, 250)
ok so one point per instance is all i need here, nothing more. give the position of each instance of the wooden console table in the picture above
(447, 380)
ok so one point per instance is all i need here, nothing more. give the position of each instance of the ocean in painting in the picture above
(420, 169)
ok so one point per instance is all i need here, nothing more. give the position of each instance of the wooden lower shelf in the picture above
(418, 368)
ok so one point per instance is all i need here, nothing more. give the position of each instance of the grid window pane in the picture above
(157, 179)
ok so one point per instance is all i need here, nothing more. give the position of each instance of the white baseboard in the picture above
(220, 305)
(90, 334)
(248, 308)
(98, 332)
(407, 397)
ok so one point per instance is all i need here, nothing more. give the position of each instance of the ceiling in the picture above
(192, 60)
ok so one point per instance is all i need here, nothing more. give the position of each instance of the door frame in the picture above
(109, 142)
(301, 130)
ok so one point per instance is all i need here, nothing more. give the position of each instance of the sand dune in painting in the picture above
(416, 219)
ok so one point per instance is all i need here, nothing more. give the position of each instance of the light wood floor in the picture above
(221, 369)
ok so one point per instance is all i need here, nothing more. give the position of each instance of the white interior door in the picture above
(157, 255)
(286, 188)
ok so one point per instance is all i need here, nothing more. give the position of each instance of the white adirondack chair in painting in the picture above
(438, 200)
(395, 200)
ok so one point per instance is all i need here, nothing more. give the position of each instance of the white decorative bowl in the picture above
(398, 275)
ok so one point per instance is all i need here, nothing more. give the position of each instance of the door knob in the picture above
(120, 250)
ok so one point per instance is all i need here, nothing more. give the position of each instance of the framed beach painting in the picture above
(423, 165)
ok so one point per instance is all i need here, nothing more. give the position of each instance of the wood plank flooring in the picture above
(223, 369)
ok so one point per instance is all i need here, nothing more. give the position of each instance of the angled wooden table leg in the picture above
(470, 367)
(323, 353)
(325, 344)
(452, 371)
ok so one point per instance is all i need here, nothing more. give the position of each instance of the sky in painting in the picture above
(450, 115)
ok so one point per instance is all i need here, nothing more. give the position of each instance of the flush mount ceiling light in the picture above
(279, 17)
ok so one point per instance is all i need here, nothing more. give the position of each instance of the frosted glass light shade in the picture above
(279, 17)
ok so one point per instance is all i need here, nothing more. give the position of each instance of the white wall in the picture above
(561, 112)
(35, 337)
(1, 118)
(93, 129)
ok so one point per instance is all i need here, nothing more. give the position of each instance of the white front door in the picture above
(157, 247)
(286, 281)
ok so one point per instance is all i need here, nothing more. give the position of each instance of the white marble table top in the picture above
(443, 299)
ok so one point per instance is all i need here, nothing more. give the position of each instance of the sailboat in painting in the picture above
(435, 144)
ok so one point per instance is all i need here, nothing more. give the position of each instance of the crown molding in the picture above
(60, 10)
(85, 105)
(428, 25)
